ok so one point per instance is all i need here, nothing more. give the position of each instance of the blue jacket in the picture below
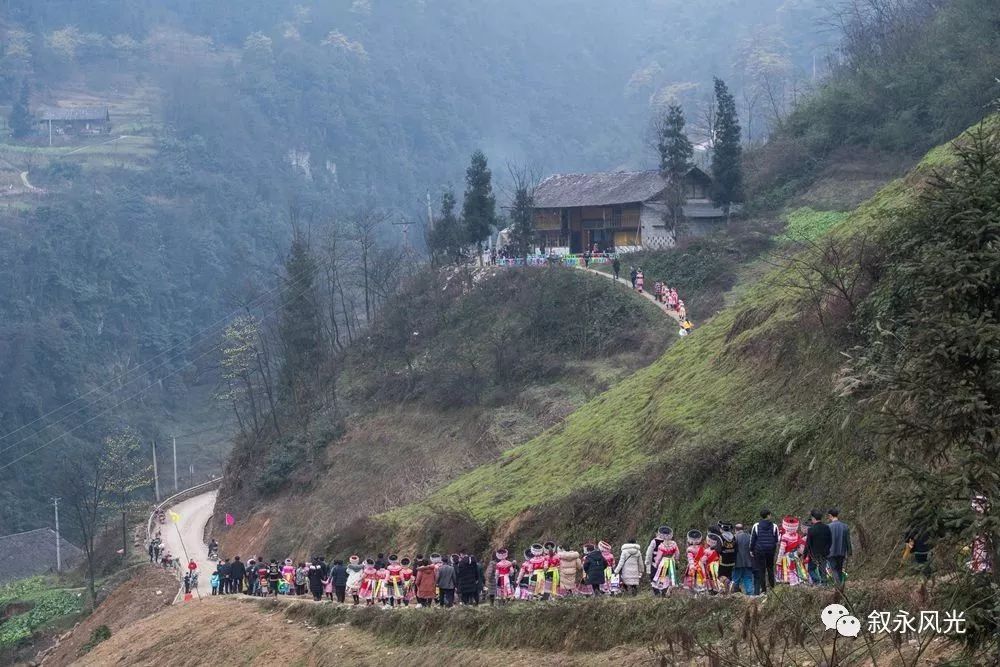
(840, 539)
(764, 536)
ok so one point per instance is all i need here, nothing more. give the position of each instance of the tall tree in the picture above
(105, 486)
(522, 229)
(932, 367)
(20, 113)
(479, 208)
(300, 329)
(447, 240)
(727, 156)
(675, 161)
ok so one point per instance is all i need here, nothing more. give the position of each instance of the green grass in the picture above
(739, 414)
(44, 605)
(809, 224)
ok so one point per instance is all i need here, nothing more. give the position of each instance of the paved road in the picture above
(27, 183)
(646, 293)
(188, 535)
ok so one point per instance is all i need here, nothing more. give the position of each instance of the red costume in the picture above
(789, 568)
(504, 571)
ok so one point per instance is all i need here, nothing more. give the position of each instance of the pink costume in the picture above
(694, 577)
(664, 568)
(394, 579)
(504, 571)
(369, 581)
(789, 568)
(612, 584)
(537, 565)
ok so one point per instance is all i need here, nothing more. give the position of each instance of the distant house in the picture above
(75, 120)
(34, 552)
(619, 210)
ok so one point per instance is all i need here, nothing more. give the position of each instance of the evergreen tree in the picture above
(300, 330)
(522, 231)
(675, 161)
(447, 239)
(20, 114)
(727, 157)
(479, 208)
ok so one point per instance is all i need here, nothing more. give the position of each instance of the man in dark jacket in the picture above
(338, 576)
(817, 546)
(763, 544)
(381, 563)
(743, 571)
(467, 579)
(593, 568)
(316, 575)
(446, 583)
(225, 572)
(237, 572)
(840, 547)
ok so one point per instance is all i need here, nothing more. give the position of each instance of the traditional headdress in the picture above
(393, 558)
(603, 546)
(501, 554)
(537, 549)
(790, 524)
(404, 561)
(665, 532)
(370, 561)
(694, 537)
(354, 560)
(435, 558)
(714, 540)
(550, 546)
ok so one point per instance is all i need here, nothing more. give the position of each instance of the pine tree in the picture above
(20, 114)
(675, 161)
(727, 158)
(479, 208)
(300, 330)
(447, 239)
(522, 231)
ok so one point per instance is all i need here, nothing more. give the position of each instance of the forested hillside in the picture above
(233, 123)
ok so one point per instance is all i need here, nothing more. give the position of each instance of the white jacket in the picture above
(630, 564)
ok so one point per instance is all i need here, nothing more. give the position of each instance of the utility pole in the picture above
(55, 503)
(430, 213)
(406, 234)
(156, 474)
(175, 463)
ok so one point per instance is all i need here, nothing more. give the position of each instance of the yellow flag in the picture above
(174, 516)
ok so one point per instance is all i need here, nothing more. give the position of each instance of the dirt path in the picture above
(649, 296)
(186, 538)
(27, 183)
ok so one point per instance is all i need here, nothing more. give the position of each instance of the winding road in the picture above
(186, 538)
(670, 312)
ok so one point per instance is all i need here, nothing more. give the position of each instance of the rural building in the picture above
(78, 120)
(34, 552)
(617, 210)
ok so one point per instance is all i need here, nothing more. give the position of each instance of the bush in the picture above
(100, 634)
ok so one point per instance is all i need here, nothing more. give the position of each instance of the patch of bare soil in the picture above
(150, 590)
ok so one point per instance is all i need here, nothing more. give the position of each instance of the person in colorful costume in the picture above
(288, 576)
(709, 560)
(503, 573)
(662, 533)
(612, 583)
(537, 565)
(393, 581)
(663, 565)
(369, 582)
(694, 576)
(355, 574)
(406, 573)
(790, 568)
(727, 551)
(551, 585)
(524, 577)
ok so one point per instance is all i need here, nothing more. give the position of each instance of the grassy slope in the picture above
(741, 414)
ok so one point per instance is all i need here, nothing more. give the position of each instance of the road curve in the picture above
(186, 538)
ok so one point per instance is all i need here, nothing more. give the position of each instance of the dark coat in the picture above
(818, 542)
(593, 567)
(338, 574)
(317, 573)
(467, 575)
(237, 570)
(764, 537)
(225, 570)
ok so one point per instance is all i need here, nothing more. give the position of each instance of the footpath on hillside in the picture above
(650, 297)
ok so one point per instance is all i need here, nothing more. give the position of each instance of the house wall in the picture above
(655, 233)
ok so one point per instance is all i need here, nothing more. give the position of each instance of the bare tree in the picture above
(366, 226)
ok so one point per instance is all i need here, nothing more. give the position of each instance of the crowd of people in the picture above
(724, 559)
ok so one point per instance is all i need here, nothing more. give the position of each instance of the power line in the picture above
(116, 405)
(139, 375)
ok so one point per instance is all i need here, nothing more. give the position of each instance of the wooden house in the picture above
(617, 210)
(77, 120)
